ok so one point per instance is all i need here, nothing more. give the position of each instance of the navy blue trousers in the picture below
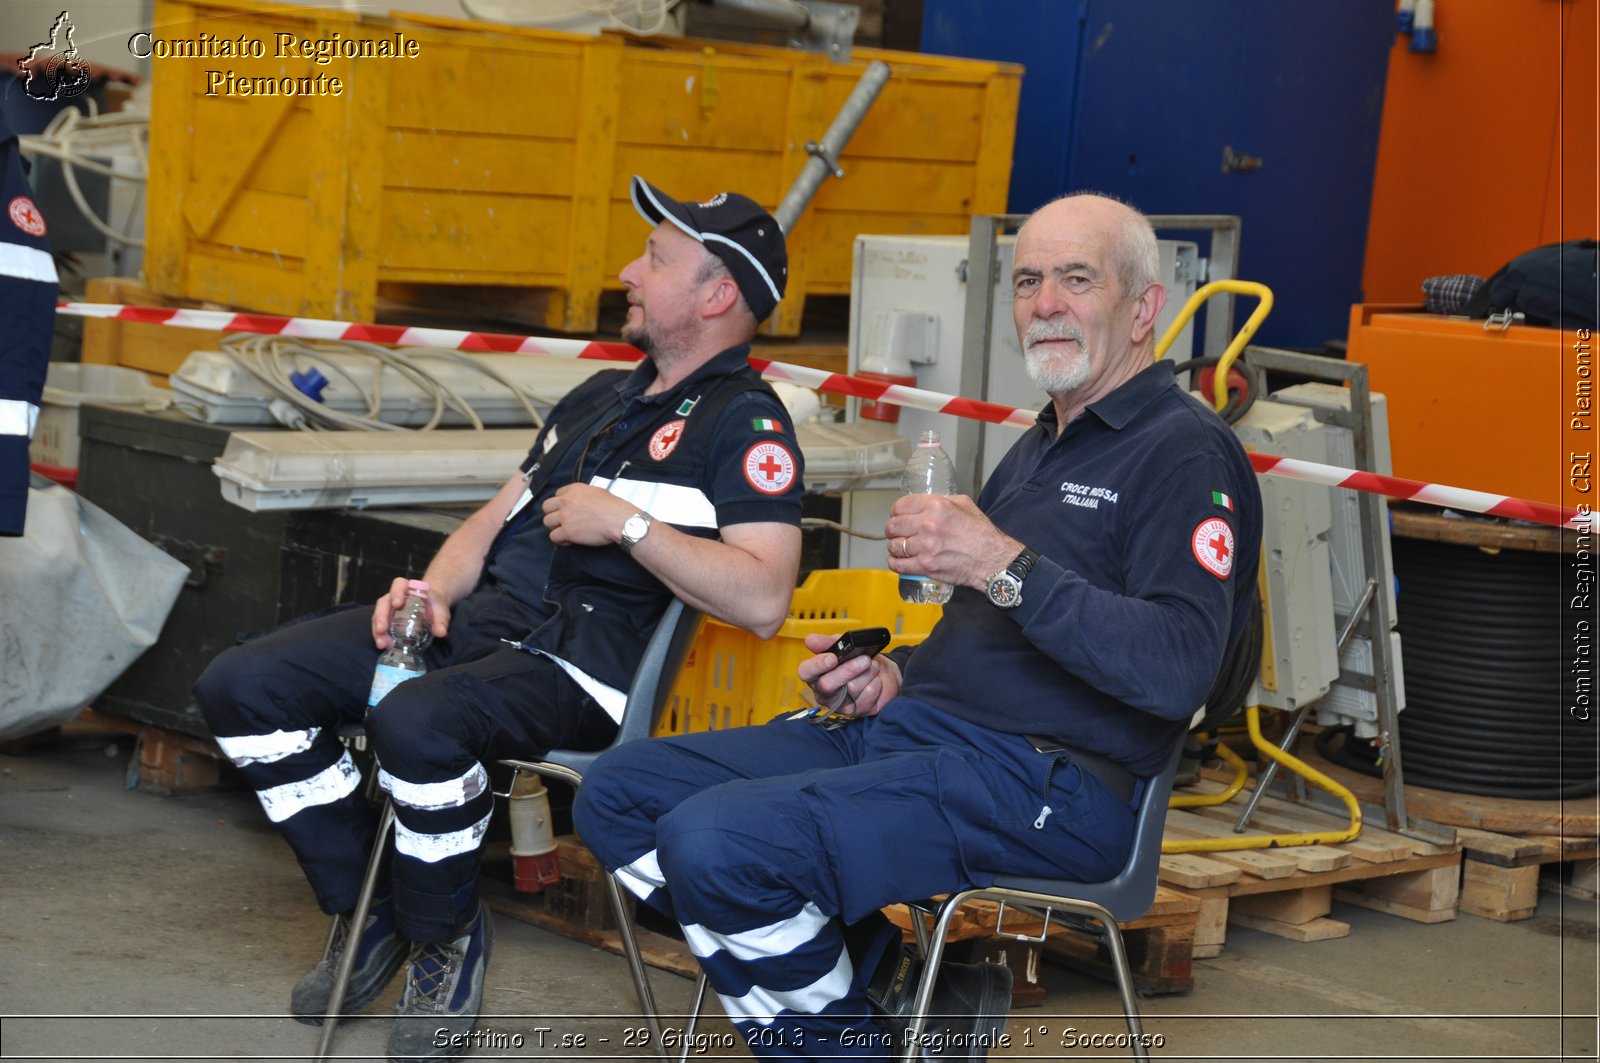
(767, 843)
(275, 703)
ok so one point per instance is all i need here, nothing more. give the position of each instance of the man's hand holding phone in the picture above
(847, 676)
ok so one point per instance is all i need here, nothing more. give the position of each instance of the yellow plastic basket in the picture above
(733, 678)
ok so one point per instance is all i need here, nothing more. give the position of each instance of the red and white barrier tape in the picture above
(1415, 490)
(834, 383)
(307, 328)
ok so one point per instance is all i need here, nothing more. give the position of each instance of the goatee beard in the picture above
(1055, 374)
(639, 337)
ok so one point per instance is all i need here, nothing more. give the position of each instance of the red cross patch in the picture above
(26, 216)
(665, 441)
(769, 467)
(1213, 546)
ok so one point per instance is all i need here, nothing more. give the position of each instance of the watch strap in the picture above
(628, 543)
(1022, 564)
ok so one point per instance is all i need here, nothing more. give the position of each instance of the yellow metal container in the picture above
(496, 160)
(732, 678)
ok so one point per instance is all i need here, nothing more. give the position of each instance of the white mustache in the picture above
(1045, 331)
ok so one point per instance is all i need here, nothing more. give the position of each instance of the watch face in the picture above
(1005, 590)
(633, 529)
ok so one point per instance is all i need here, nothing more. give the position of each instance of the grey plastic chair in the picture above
(647, 697)
(1093, 907)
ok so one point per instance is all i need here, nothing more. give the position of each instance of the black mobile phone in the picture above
(862, 641)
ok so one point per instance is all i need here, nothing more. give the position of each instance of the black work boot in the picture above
(968, 1013)
(444, 994)
(380, 952)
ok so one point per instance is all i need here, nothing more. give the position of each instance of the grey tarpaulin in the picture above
(81, 597)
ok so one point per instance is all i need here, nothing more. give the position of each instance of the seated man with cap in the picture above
(680, 477)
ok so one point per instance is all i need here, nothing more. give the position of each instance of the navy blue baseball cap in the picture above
(736, 229)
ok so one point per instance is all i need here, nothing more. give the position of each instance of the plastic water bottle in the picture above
(408, 627)
(929, 472)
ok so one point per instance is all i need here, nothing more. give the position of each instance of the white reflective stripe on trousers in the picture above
(327, 786)
(266, 749)
(761, 1006)
(643, 876)
(433, 796)
(431, 848)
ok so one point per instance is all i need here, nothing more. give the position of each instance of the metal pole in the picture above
(824, 161)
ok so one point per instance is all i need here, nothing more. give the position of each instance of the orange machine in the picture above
(1508, 412)
(1487, 147)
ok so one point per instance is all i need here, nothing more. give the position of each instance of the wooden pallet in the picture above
(163, 762)
(1290, 891)
(1572, 817)
(1160, 945)
(1500, 872)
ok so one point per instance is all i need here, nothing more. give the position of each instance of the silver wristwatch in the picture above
(634, 529)
(1005, 588)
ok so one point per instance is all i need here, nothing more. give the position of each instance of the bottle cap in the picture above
(417, 587)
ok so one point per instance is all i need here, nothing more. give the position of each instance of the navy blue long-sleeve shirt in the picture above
(1147, 518)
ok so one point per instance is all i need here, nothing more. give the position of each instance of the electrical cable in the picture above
(271, 360)
(1239, 402)
(73, 139)
(1238, 674)
(833, 525)
(1488, 675)
(658, 10)
(1334, 745)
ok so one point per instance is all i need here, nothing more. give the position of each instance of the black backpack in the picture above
(1552, 285)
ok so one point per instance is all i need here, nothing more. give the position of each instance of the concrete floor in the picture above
(159, 928)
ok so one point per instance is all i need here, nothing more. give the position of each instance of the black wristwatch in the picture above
(1005, 588)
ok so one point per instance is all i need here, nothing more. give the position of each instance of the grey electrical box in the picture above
(1298, 662)
(1352, 699)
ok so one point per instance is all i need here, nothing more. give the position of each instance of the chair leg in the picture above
(1130, 1006)
(932, 953)
(630, 952)
(358, 919)
(692, 1020)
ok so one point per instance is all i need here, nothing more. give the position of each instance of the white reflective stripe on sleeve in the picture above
(761, 1006)
(432, 796)
(17, 418)
(774, 939)
(431, 848)
(643, 876)
(608, 698)
(265, 749)
(687, 507)
(324, 788)
(29, 263)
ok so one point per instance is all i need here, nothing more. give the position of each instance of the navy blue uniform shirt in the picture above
(27, 315)
(1147, 518)
(716, 450)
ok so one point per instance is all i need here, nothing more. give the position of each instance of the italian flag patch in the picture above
(765, 424)
(1220, 499)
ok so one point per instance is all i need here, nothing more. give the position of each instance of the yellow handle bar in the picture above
(1219, 380)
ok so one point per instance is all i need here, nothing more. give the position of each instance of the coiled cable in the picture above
(272, 359)
(1239, 401)
(1489, 675)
